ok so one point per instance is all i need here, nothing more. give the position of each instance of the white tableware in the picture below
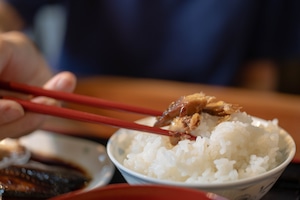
(88, 155)
(248, 188)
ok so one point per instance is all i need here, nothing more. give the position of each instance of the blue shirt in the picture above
(204, 41)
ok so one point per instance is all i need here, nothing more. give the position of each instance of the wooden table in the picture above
(158, 94)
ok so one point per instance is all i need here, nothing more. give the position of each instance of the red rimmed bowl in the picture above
(137, 192)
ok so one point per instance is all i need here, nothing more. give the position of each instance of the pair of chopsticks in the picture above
(80, 115)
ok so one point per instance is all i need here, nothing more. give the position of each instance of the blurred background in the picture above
(49, 28)
(48, 31)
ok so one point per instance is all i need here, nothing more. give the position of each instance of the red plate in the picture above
(138, 192)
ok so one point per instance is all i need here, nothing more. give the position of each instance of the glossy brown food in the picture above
(187, 106)
(185, 113)
(37, 180)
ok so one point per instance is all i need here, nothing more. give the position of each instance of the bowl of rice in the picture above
(234, 155)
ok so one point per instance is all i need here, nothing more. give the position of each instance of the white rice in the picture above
(227, 151)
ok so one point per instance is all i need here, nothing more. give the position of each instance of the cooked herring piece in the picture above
(185, 105)
(35, 180)
(184, 109)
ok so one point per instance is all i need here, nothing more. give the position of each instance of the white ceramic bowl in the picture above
(248, 188)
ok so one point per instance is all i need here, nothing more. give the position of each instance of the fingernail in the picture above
(59, 84)
(65, 82)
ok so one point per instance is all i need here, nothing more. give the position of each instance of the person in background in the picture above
(232, 43)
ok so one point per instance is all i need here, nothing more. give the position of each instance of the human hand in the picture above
(20, 61)
(10, 19)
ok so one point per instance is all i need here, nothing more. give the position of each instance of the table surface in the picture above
(158, 94)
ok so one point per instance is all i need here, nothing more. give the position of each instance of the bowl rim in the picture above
(114, 189)
(241, 182)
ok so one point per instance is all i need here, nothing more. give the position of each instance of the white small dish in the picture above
(88, 155)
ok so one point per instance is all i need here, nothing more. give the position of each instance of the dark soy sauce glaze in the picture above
(49, 162)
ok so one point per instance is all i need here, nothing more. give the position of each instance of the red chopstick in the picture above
(80, 115)
(85, 116)
(76, 98)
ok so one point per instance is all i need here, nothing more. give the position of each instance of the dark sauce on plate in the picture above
(42, 177)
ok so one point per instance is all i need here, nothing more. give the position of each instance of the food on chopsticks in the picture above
(188, 106)
(184, 114)
(230, 144)
(41, 178)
